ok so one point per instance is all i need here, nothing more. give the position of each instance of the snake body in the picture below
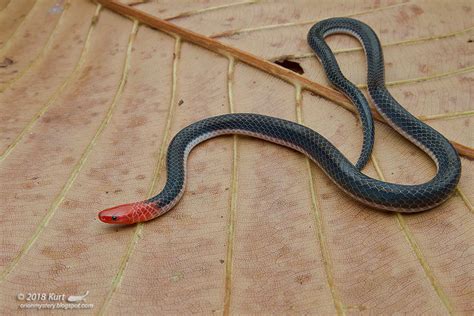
(347, 176)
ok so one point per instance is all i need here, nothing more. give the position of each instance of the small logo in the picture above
(77, 298)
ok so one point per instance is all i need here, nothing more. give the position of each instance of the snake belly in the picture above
(347, 176)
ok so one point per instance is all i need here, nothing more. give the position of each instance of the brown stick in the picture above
(250, 59)
(463, 150)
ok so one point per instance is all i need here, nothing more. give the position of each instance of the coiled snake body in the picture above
(367, 190)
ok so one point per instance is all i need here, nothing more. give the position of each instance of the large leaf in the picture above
(90, 99)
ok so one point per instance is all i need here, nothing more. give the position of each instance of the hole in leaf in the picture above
(291, 65)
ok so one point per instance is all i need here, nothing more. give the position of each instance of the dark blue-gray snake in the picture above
(347, 176)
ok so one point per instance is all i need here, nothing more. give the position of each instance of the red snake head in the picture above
(129, 213)
(117, 215)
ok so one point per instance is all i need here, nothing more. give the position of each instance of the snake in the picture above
(372, 192)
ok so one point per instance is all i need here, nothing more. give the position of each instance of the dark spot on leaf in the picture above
(470, 40)
(221, 261)
(180, 102)
(291, 65)
(6, 62)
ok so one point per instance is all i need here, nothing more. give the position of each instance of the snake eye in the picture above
(114, 218)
